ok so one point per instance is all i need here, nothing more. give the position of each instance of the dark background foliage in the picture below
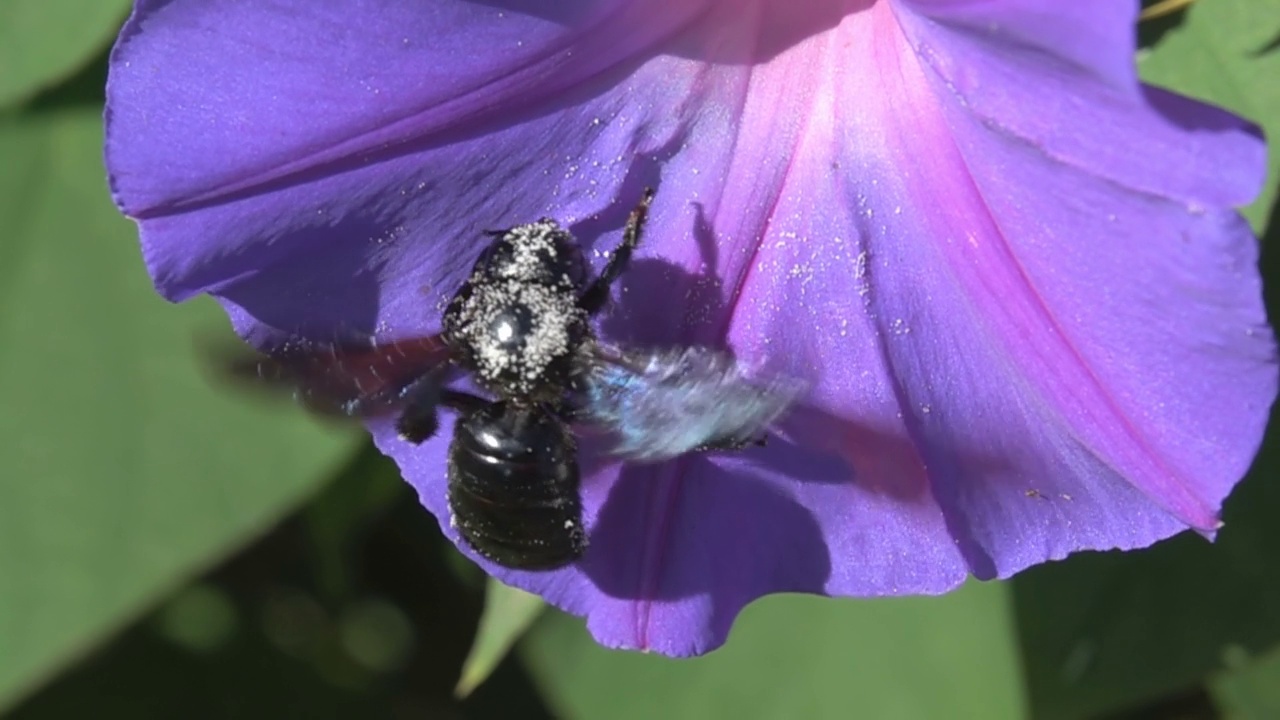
(166, 551)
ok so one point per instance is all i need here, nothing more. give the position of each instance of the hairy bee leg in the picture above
(463, 402)
(597, 295)
(419, 419)
(732, 444)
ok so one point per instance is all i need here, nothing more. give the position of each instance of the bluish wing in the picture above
(659, 404)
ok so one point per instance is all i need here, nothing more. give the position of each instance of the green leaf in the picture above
(802, 657)
(1107, 631)
(1225, 52)
(1252, 691)
(1104, 631)
(508, 613)
(124, 472)
(335, 517)
(44, 41)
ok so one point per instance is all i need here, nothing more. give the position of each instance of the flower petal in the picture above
(1108, 259)
(1030, 330)
(1092, 37)
(248, 134)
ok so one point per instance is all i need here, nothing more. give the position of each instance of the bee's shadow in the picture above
(722, 523)
(749, 507)
(327, 294)
(689, 527)
(660, 304)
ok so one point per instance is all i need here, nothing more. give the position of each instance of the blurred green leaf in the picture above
(1104, 631)
(257, 638)
(1107, 631)
(802, 657)
(44, 41)
(1224, 53)
(200, 618)
(376, 634)
(1252, 691)
(123, 472)
(335, 517)
(508, 613)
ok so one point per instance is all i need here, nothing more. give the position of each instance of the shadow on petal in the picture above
(1195, 115)
(694, 527)
(878, 462)
(760, 29)
(661, 304)
(643, 170)
(331, 284)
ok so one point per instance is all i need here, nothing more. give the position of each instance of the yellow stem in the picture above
(1162, 8)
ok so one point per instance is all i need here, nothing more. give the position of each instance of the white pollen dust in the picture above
(553, 318)
(533, 245)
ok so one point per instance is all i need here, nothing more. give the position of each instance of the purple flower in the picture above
(1031, 321)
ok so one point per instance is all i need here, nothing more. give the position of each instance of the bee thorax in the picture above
(517, 336)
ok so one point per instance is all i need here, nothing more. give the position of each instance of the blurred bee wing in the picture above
(659, 404)
(347, 378)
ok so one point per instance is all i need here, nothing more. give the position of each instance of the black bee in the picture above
(520, 325)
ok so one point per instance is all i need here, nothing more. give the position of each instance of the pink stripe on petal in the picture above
(1049, 357)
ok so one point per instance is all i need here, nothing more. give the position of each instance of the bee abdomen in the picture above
(513, 488)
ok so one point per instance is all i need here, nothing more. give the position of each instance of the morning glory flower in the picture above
(1011, 275)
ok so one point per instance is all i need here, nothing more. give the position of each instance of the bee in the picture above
(520, 326)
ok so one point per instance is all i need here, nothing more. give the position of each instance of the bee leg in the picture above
(463, 402)
(731, 444)
(418, 421)
(597, 294)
